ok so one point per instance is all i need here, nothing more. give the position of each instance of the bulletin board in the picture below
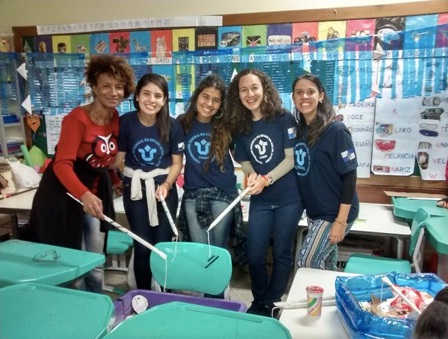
(384, 67)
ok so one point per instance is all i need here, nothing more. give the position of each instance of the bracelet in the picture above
(266, 179)
(340, 223)
(169, 185)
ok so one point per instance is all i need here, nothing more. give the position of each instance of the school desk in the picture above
(24, 261)
(329, 325)
(22, 203)
(376, 220)
(406, 207)
(436, 234)
(33, 310)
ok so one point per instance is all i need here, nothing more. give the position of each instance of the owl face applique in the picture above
(104, 149)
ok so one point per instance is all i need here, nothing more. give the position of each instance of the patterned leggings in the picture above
(316, 250)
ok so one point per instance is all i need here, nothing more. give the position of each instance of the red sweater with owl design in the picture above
(82, 139)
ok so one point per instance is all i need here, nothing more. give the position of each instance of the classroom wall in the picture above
(15, 13)
(49, 12)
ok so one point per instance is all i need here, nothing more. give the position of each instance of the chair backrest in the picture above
(117, 242)
(417, 234)
(192, 266)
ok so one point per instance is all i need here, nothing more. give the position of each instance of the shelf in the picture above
(12, 128)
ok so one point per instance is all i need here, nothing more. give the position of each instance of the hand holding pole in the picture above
(125, 230)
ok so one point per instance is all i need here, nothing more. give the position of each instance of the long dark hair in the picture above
(325, 112)
(163, 117)
(221, 136)
(241, 117)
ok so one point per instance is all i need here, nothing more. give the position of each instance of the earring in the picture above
(320, 101)
(220, 115)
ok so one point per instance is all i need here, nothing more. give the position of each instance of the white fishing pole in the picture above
(228, 208)
(168, 215)
(125, 230)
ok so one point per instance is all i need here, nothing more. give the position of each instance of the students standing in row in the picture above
(86, 147)
(265, 139)
(325, 163)
(209, 173)
(151, 144)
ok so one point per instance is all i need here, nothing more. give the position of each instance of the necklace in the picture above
(100, 119)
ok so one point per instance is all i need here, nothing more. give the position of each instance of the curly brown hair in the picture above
(325, 112)
(114, 65)
(240, 116)
(221, 136)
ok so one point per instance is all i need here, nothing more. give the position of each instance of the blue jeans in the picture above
(137, 215)
(280, 223)
(92, 241)
(219, 235)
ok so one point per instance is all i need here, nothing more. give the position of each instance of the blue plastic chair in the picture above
(369, 264)
(118, 244)
(192, 266)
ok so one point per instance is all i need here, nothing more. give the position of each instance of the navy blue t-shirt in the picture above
(265, 149)
(197, 146)
(319, 170)
(143, 147)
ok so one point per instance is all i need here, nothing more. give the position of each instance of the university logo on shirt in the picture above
(301, 159)
(262, 148)
(198, 147)
(148, 151)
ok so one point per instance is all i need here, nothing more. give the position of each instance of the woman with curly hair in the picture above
(265, 138)
(210, 181)
(86, 148)
(325, 163)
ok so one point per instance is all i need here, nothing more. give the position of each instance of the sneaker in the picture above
(270, 311)
(254, 309)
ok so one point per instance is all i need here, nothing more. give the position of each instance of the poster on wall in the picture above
(395, 137)
(81, 43)
(432, 152)
(6, 43)
(279, 34)
(229, 37)
(99, 43)
(42, 44)
(53, 124)
(184, 40)
(254, 36)
(206, 38)
(119, 42)
(140, 42)
(161, 46)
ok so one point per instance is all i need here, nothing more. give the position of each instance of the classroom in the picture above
(384, 70)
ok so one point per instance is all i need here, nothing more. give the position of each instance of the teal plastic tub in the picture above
(363, 324)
